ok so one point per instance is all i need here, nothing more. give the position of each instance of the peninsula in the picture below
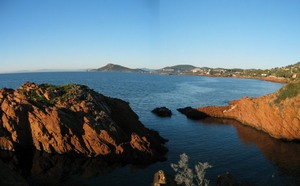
(73, 119)
(116, 68)
(277, 114)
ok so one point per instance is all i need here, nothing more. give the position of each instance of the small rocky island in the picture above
(75, 120)
(277, 114)
(162, 112)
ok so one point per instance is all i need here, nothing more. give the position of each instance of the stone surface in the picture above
(280, 119)
(162, 112)
(192, 113)
(73, 119)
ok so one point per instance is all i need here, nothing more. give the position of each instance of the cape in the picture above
(277, 114)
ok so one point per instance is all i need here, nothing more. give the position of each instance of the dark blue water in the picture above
(249, 155)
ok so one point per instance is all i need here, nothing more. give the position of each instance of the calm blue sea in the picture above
(247, 154)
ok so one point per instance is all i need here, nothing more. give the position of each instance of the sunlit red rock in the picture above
(280, 119)
(73, 119)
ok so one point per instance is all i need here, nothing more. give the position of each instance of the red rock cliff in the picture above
(277, 114)
(73, 119)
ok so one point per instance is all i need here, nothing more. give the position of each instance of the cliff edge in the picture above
(73, 119)
(277, 114)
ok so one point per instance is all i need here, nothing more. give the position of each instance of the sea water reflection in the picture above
(38, 168)
(283, 154)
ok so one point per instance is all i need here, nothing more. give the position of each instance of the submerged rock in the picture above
(162, 112)
(277, 114)
(192, 113)
(73, 119)
(227, 179)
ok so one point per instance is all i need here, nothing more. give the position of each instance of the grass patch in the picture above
(289, 91)
(73, 92)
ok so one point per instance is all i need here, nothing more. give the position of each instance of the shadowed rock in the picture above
(162, 112)
(73, 119)
(192, 113)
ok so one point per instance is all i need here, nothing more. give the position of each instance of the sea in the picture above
(250, 156)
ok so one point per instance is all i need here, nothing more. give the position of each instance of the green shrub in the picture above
(289, 91)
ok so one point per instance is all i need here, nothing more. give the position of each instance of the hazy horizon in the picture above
(72, 35)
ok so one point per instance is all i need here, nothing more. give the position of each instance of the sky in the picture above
(85, 34)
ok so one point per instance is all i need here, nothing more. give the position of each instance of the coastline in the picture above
(276, 114)
(269, 79)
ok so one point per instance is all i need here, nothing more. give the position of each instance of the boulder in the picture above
(162, 112)
(192, 113)
(73, 119)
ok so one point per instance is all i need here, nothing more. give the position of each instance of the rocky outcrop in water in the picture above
(277, 114)
(162, 112)
(192, 113)
(73, 119)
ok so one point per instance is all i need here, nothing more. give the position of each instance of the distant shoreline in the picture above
(269, 79)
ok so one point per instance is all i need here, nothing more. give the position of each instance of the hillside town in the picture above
(287, 73)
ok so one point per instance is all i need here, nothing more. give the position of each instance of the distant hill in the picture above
(279, 74)
(116, 68)
(177, 69)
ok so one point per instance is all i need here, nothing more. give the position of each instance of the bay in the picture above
(249, 155)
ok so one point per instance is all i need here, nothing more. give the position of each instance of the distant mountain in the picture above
(148, 69)
(282, 74)
(181, 67)
(116, 68)
(177, 69)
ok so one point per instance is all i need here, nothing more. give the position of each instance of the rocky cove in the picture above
(269, 161)
(277, 114)
(75, 120)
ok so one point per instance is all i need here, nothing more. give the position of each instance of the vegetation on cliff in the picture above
(55, 93)
(289, 91)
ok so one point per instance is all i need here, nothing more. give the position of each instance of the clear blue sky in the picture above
(81, 34)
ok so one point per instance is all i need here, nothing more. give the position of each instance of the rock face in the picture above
(73, 119)
(162, 112)
(277, 114)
